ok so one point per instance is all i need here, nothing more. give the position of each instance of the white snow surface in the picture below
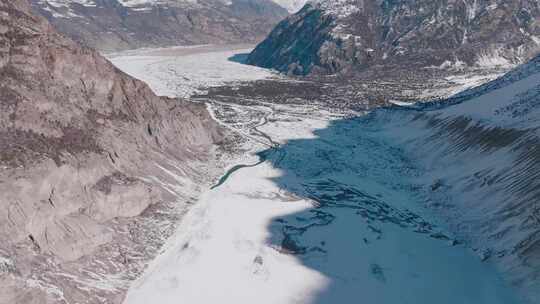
(498, 108)
(125, 3)
(291, 5)
(65, 8)
(183, 71)
(224, 252)
(213, 258)
(492, 131)
(337, 8)
(230, 246)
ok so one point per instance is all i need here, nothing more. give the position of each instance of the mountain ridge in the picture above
(121, 24)
(340, 36)
(88, 156)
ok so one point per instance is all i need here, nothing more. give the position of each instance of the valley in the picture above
(326, 201)
(269, 151)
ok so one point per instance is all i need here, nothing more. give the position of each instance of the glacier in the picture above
(413, 203)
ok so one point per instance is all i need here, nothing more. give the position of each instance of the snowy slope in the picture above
(115, 163)
(291, 5)
(337, 8)
(480, 159)
(171, 72)
(365, 208)
(126, 3)
(255, 240)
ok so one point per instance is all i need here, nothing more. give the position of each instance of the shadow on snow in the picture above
(367, 233)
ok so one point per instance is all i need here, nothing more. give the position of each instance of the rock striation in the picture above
(478, 153)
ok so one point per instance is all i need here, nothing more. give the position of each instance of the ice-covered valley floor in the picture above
(186, 70)
(312, 212)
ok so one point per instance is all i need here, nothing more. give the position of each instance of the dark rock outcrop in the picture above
(351, 35)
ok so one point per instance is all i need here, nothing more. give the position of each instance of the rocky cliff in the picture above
(349, 35)
(111, 25)
(94, 166)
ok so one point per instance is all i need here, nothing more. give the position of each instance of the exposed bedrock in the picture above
(114, 25)
(95, 167)
(345, 36)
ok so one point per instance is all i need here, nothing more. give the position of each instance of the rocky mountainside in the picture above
(349, 35)
(111, 25)
(463, 171)
(94, 167)
(479, 156)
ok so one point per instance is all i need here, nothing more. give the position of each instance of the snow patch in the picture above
(292, 6)
(337, 8)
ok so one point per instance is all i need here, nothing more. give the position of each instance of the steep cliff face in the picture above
(93, 164)
(348, 35)
(121, 24)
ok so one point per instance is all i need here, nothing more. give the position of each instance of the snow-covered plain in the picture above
(331, 216)
(184, 71)
(220, 254)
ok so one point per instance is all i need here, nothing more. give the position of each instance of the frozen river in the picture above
(318, 210)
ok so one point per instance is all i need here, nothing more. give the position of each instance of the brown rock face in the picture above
(113, 25)
(331, 36)
(90, 158)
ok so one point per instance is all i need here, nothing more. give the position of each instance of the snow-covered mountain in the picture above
(464, 172)
(85, 150)
(339, 35)
(110, 25)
